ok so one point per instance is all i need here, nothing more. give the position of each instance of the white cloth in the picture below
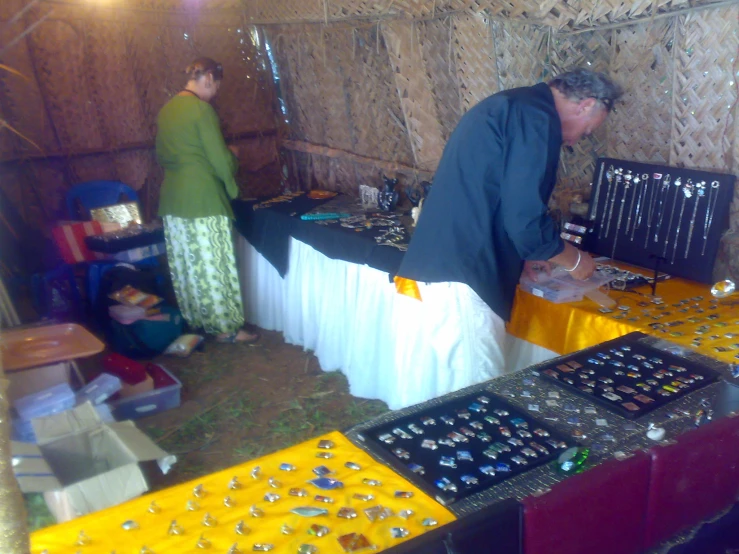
(388, 345)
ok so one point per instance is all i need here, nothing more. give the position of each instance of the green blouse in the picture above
(198, 166)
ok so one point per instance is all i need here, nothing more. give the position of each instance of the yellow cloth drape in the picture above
(566, 328)
(408, 287)
(106, 534)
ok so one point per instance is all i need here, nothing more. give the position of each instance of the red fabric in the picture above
(600, 511)
(70, 239)
(127, 370)
(693, 479)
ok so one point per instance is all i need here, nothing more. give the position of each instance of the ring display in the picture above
(465, 445)
(628, 378)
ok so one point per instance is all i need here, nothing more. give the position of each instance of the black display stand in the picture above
(640, 210)
(464, 416)
(630, 370)
(495, 529)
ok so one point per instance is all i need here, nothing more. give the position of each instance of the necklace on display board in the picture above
(594, 212)
(641, 205)
(637, 191)
(610, 174)
(664, 191)
(700, 192)
(656, 178)
(675, 185)
(627, 185)
(687, 193)
(710, 209)
(617, 182)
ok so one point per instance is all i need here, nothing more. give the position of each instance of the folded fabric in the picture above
(70, 239)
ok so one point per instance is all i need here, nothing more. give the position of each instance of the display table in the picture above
(389, 346)
(329, 290)
(106, 533)
(685, 455)
(708, 326)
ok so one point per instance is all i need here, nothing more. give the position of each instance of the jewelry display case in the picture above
(628, 377)
(646, 214)
(465, 445)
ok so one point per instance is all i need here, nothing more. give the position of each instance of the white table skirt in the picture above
(354, 321)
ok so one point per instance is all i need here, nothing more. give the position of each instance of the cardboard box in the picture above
(84, 465)
(29, 381)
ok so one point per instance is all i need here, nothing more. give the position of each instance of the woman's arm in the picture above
(218, 154)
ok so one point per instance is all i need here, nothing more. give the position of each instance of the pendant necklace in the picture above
(609, 177)
(687, 193)
(641, 204)
(700, 192)
(676, 185)
(594, 211)
(618, 178)
(627, 185)
(656, 178)
(637, 192)
(710, 208)
(664, 191)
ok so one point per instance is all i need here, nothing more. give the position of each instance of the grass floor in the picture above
(239, 403)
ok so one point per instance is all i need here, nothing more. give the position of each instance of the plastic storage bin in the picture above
(560, 287)
(46, 402)
(99, 389)
(165, 396)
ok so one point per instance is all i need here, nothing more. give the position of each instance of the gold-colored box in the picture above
(126, 214)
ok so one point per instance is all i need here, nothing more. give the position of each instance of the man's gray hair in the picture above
(579, 84)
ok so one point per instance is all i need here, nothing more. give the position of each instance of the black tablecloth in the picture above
(269, 230)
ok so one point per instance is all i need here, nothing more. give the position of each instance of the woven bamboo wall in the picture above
(381, 84)
(415, 78)
(95, 81)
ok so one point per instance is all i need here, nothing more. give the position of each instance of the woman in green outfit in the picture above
(195, 205)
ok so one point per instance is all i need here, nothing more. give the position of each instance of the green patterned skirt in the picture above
(201, 259)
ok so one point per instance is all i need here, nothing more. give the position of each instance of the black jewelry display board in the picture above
(485, 438)
(640, 212)
(628, 377)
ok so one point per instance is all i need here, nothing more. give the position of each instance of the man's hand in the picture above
(585, 268)
(532, 269)
(568, 258)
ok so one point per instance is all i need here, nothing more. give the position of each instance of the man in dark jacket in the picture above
(486, 215)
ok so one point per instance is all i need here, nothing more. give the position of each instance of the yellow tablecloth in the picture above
(566, 328)
(106, 534)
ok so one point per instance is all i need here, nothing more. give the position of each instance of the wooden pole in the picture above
(391, 167)
(13, 529)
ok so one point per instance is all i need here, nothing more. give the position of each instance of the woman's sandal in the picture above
(233, 338)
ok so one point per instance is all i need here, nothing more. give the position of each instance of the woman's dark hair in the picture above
(580, 84)
(203, 66)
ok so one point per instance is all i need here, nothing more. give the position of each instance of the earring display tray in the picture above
(628, 378)
(640, 212)
(465, 445)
